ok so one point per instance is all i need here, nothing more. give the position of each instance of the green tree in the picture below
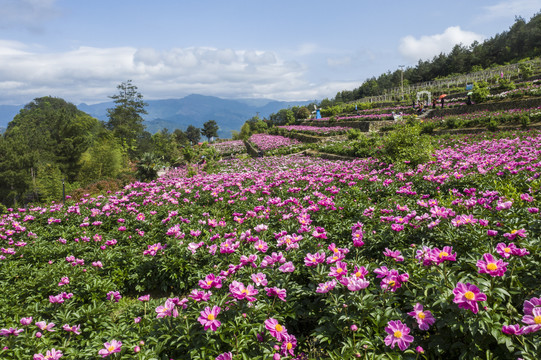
(193, 134)
(302, 113)
(282, 117)
(125, 119)
(210, 129)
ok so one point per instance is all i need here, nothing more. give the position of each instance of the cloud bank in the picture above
(426, 47)
(89, 74)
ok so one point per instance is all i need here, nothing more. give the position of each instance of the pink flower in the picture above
(394, 254)
(340, 270)
(261, 245)
(398, 334)
(64, 281)
(274, 291)
(144, 298)
(259, 279)
(354, 283)
(467, 296)
(42, 325)
(26, 320)
(514, 233)
(314, 259)
(505, 250)
(276, 330)
(74, 329)
(512, 329)
(10, 331)
(530, 305)
(208, 318)
(287, 267)
(491, 266)
(49, 355)
(326, 287)
(424, 318)
(110, 348)
(168, 309)
(240, 292)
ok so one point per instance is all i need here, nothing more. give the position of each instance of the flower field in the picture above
(288, 257)
(267, 142)
(230, 147)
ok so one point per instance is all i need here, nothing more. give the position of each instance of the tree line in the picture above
(50, 142)
(521, 41)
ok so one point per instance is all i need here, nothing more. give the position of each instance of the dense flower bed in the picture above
(267, 142)
(230, 147)
(316, 129)
(287, 257)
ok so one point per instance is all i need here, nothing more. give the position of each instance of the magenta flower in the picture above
(110, 348)
(467, 296)
(446, 254)
(512, 329)
(168, 309)
(64, 281)
(114, 295)
(533, 320)
(354, 283)
(49, 355)
(491, 266)
(398, 334)
(530, 305)
(10, 332)
(514, 233)
(505, 250)
(276, 330)
(289, 343)
(287, 267)
(424, 318)
(340, 270)
(314, 259)
(210, 281)
(225, 356)
(144, 298)
(208, 318)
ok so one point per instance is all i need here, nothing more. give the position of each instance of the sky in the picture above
(81, 50)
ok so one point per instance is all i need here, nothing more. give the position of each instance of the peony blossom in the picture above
(398, 335)
(467, 296)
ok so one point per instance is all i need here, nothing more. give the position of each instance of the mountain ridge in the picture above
(179, 113)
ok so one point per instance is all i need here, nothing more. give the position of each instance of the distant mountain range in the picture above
(179, 113)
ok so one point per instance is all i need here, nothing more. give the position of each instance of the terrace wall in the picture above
(489, 106)
(363, 126)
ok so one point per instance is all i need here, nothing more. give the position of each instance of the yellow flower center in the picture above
(421, 315)
(314, 260)
(110, 348)
(209, 282)
(392, 283)
(339, 270)
(244, 291)
(289, 346)
(469, 295)
(492, 266)
(537, 319)
(443, 253)
(358, 274)
(260, 246)
(513, 231)
(278, 328)
(398, 334)
(507, 250)
(336, 250)
(210, 317)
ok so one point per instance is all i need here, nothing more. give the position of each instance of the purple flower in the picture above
(114, 295)
(49, 355)
(208, 318)
(110, 348)
(424, 318)
(491, 266)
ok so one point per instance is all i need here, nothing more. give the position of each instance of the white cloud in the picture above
(89, 74)
(428, 46)
(511, 8)
(28, 14)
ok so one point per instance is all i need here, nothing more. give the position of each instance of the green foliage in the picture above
(210, 129)
(525, 69)
(407, 144)
(193, 134)
(505, 84)
(354, 134)
(480, 91)
(493, 124)
(104, 159)
(125, 119)
(148, 166)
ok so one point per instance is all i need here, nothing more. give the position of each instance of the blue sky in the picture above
(81, 50)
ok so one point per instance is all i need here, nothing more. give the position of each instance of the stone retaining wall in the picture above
(489, 106)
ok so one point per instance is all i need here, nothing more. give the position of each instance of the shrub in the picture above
(480, 91)
(407, 144)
